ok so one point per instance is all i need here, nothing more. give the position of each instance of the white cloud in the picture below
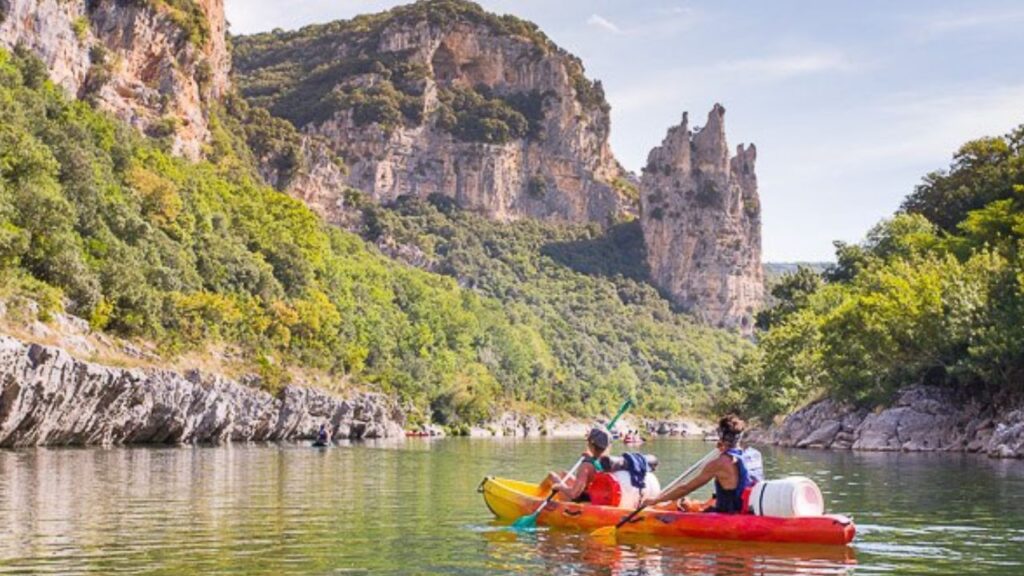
(950, 23)
(913, 128)
(786, 66)
(870, 157)
(671, 85)
(603, 23)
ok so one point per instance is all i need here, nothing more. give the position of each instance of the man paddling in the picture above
(727, 470)
(323, 436)
(575, 489)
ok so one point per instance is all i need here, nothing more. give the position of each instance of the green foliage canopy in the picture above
(606, 331)
(934, 295)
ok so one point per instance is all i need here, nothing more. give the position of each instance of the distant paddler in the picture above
(323, 436)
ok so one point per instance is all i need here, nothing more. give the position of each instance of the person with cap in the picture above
(575, 489)
(728, 471)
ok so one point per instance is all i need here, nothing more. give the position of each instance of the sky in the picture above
(849, 103)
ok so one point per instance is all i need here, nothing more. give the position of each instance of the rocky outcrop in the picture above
(441, 97)
(922, 419)
(153, 65)
(47, 397)
(701, 217)
(684, 427)
(320, 183)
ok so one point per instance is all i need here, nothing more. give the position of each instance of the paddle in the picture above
(609, 531)
(530, 520)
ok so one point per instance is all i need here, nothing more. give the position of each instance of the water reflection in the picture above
(564, 552)
(412, 507)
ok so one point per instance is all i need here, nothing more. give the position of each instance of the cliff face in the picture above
(152, 63)
(437, 97)
(701, 218)
(441, 97)
(47, 397)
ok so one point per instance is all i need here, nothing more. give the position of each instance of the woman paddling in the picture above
(727, 470)
(575, 489)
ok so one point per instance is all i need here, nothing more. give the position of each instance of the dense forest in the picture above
(610, 329)
(105, 223)
(933, 295)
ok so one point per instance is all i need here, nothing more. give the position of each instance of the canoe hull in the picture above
(510, 499)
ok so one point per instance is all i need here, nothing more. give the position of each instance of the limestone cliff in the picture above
(47, 397)
(701, 217)
(153, 63)
(442, 97)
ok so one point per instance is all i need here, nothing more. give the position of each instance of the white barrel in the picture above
(631, 495)
(791, 497)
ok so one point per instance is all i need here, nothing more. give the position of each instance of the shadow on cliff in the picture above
(618, 252)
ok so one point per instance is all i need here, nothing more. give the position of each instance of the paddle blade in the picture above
(525, 522)
(605, 532)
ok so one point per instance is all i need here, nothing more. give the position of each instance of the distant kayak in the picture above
(511, 499)
(414, 434)
(633, 440)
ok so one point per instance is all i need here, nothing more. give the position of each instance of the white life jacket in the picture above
(753, 463)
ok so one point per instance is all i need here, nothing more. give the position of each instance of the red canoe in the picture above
(511, 499)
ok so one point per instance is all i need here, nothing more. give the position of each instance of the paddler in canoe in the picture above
(734, 472)
(788, 510)
(574, 489)
(323, 437)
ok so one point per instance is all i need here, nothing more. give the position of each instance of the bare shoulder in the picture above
(722, 461)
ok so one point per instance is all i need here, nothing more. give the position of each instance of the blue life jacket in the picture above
(731, 501)
(638, 467)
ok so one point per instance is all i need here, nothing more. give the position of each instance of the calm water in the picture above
(412, 508)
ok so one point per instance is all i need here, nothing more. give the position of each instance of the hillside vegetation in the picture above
(934, 295)
(99, 220)
(607, 329)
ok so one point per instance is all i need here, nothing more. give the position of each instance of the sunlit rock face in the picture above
(135, 59)
(561, 168)
(701, 218)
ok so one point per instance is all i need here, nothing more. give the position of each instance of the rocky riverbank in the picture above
(518, 425)
(48, 397)
(923, 419)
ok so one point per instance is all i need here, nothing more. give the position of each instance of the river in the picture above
(412, 508)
